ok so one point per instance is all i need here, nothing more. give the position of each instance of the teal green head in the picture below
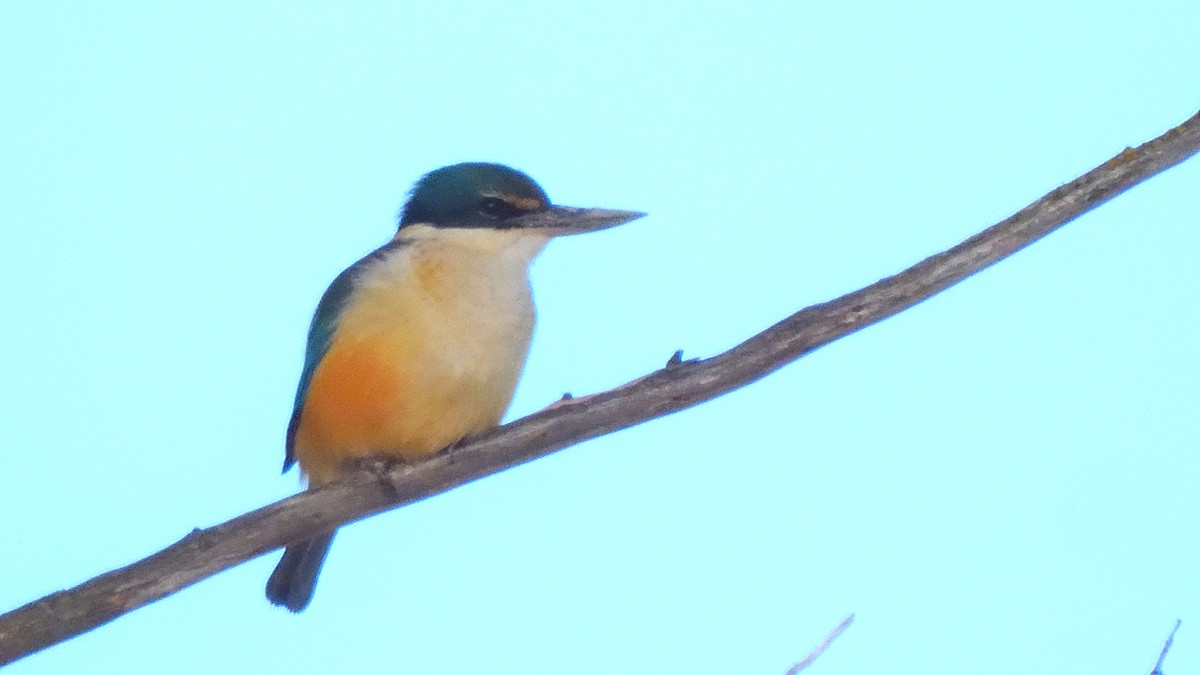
(493, 196)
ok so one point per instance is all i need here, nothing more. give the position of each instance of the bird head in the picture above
(480, 195)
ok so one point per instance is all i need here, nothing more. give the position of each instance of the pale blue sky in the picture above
(1002, 480)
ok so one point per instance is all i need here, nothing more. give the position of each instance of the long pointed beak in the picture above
(558, 221)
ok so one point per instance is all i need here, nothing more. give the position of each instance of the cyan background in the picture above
(1002, 480)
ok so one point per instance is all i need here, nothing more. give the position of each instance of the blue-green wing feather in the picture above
(320, 336)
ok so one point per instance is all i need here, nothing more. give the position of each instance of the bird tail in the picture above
(295, 577)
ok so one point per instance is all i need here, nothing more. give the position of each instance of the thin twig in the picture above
(65, 614)
(812, 656)
(1158, 667)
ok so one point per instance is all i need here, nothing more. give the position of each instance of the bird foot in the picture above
(376, 465)
(380, 468)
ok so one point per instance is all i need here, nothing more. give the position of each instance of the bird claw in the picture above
(376, 465)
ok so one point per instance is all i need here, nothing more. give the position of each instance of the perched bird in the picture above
(421, 343)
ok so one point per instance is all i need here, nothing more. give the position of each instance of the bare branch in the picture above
(679, 385)
(820, 649)
(1158, 666)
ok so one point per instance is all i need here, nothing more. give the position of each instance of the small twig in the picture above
(812, 656)
(1166, 646)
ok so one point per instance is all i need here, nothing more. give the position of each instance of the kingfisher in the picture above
(421, 343)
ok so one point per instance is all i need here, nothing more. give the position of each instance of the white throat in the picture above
(503, 246)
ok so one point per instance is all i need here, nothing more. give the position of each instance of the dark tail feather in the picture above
(295, 577)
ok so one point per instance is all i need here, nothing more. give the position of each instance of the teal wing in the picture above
(320, 336)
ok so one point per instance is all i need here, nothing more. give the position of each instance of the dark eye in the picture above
(494, 207)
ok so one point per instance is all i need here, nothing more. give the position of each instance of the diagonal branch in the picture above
(1162, 656)
(679, 385)
(820, 649)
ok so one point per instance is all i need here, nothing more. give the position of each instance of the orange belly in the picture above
(371, 399)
